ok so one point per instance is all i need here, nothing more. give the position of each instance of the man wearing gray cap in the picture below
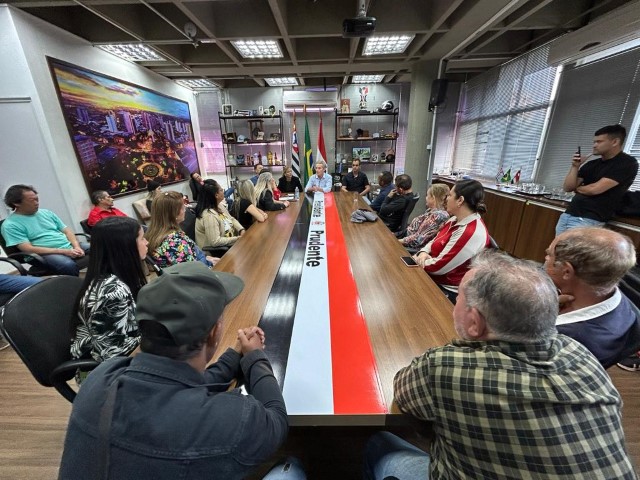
(163, 414)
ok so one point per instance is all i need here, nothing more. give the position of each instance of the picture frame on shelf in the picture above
(363, 153)
(229, 137)
(231, 159)
(240, 159)
(260, 110)
(345, 105)
(227, 109)
(275, 137)
(260, 136)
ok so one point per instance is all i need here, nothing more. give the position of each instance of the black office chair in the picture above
(5, 297)
(402, 230)
(189, 227)
(39, 267)
(493, 244)
(85, 226)
(36, 324)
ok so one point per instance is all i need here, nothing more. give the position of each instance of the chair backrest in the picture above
(36, 323)
(3, 243)
(140, 207)
(85, 226)
(411, 204)
(189, 223)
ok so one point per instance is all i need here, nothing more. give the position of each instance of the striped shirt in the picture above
(452, 249)
(505, 411)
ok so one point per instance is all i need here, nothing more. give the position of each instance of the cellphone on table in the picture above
(409, 261)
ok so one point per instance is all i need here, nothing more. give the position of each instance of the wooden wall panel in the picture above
(503, 218)
(537, 230)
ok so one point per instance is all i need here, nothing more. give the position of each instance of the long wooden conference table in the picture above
(341, 312)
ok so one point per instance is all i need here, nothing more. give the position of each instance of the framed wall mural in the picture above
(124, 135)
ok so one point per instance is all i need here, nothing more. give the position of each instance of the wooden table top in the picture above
(404, 311)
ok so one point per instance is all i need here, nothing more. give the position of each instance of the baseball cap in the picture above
(187, 299)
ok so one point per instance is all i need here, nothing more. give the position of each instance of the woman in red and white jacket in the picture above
(446, 258)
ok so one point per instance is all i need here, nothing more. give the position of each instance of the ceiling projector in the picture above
(360, 26)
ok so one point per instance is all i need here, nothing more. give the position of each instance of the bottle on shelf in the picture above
(296, 194)
(270, 157)
(275, 158)
(259, 157)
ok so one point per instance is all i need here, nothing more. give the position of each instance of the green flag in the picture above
(308, 152)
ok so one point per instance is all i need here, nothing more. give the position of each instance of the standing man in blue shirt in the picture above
(320, 182)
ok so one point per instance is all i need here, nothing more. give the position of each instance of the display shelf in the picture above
(248, 127)
(383, 123)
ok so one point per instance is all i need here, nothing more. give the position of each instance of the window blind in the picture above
(214, 156)
(604, 92)
(502, 116)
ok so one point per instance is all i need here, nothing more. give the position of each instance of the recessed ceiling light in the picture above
(197, 83)
(386, 45)
(258, 48)
(367, 78)
(134, 52)
(281, 81)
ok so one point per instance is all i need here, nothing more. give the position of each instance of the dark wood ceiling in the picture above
(470, 35)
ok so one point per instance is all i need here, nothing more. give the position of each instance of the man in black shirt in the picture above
(355, 180)
(393, 207)
(600, 184)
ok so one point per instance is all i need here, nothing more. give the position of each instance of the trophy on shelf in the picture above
(364, 91)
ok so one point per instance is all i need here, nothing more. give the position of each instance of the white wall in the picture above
(49, 162)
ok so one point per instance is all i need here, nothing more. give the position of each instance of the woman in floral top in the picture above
(105, 323)
(424, 227)
(168, 244)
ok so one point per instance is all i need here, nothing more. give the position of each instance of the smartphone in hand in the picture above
(578, 152)
(409, 261)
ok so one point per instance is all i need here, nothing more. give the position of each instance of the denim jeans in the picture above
(15, 283)
(63, 265)
(389, 457)
(567, 222)
(290, 469)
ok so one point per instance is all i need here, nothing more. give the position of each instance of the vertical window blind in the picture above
(214, 155)
(502, 117)
(590, 96)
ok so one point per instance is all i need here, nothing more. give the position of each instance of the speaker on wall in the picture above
(438, 93)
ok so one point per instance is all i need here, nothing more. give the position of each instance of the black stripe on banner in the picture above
(280, 309)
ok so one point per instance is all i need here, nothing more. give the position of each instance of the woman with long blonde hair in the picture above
(264, 193)
(424, 227)
(244, 208)
(168, 244)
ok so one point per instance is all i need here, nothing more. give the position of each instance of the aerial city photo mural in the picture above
(124, 135)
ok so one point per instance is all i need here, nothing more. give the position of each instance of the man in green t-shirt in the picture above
(40, 231)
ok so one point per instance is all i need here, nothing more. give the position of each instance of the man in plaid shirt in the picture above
(512, 399)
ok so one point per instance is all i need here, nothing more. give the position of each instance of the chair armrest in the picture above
(67, 370)
(28, 258)
(15, 264)
(85, 235)
(64, 372)
(153, 265)
(215, 251)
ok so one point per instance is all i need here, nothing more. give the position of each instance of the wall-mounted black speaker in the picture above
(438, 93)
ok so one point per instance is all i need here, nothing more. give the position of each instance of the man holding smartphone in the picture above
(600, 184)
